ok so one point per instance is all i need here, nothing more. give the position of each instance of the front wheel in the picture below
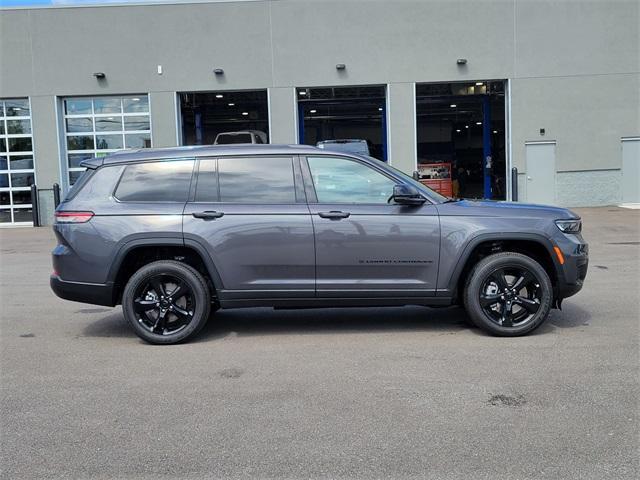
(508, 294)
(166, 302)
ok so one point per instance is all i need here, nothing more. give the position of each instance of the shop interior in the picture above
(461, 136)
(355, 116)
(206, 114)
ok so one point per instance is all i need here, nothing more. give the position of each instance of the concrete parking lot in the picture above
(343, 393)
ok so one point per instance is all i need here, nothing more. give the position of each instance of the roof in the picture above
(129, 156)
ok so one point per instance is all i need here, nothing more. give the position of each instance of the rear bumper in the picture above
(94, 293)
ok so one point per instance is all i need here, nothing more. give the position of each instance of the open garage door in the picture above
(206, 114)
(344, 118)
(461, 136)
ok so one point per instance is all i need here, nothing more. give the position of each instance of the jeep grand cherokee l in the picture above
(174, 234)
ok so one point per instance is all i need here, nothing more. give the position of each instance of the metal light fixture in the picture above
(340, 66)
(100, 75)
(461, 61)
(218, 71)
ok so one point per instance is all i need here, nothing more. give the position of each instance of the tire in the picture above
(166, 302)
(508, 294)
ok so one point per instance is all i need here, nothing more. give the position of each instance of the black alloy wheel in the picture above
(508, 294)
(166, 302)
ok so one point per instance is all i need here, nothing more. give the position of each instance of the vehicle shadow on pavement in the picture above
(267, 321)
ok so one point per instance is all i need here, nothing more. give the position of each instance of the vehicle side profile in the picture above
(174, 234)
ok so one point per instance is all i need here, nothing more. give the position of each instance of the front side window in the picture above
(97, 126)
(339, 180)
(167, 181)
(256, 180)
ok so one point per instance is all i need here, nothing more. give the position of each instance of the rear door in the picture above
(251, 216)
(366, 246)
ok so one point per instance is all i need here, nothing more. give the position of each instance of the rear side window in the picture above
(79, 183)
(156, 182)
(256, 180)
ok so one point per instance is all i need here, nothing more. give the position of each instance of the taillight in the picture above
(73, 217)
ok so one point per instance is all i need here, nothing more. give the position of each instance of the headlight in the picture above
(569, 226)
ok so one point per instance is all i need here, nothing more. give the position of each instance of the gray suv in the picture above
(174, 234)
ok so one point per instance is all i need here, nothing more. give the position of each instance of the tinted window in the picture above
(156, 182)
(256, 180)
(338, 180)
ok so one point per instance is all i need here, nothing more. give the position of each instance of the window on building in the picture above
(256, 180)
(97, 126)
(338, 180)
(16, 161)
(167, 181)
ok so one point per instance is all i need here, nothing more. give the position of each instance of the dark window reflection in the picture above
(79, 142)
(22, 197)
(17, 107)
(21, 179)
(156, 182)
(22, 215)
(106, 142)
(81, 124)
(20, 144)
(256, 180)
(21, 162)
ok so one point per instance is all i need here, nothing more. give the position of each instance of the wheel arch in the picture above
(533, 245)
(136, 253)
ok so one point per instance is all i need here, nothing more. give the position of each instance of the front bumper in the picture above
(94, 293)
(572, 273)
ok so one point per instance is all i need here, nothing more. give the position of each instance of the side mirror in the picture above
(416, 175)
(407, 195)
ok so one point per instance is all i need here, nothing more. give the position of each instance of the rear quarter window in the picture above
(164, 181)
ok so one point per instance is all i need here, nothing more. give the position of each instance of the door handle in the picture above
(208, 215)
(334, 215)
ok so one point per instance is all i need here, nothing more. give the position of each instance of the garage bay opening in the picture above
(461, 138)
(349, 119)
(242, 115)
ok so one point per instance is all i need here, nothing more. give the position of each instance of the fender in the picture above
(484, 237)
(194, 243)
(139, 240)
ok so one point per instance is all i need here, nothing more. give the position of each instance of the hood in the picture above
(492, 208)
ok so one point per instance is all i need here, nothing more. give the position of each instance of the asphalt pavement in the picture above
(406, 392)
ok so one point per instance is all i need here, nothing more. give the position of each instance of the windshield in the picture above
(432, 194)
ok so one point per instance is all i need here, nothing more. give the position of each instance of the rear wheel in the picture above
(508, 294)
(166, 302)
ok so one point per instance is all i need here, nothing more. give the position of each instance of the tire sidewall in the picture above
(186, 274)
(478, 277)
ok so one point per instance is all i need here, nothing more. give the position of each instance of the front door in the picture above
(250, 214)
(366, 246)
